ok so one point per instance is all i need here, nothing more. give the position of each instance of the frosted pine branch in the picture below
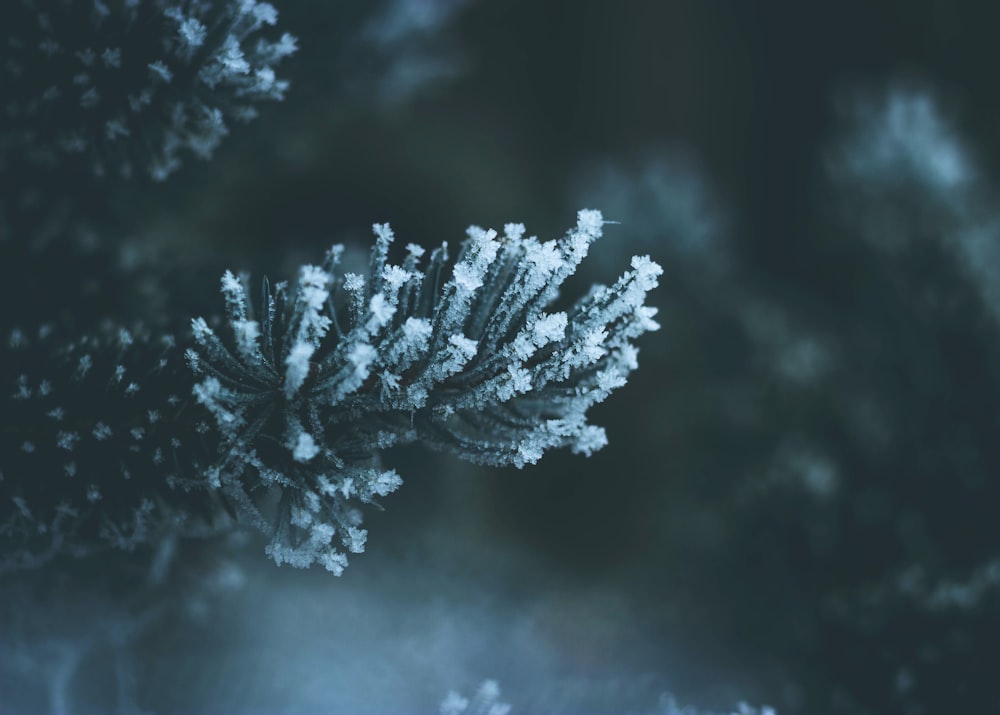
(108, 440)
(133, 85)
(465, 356)
(97, 443)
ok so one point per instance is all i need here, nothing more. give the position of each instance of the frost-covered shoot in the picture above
(132, 86)
(463, 355)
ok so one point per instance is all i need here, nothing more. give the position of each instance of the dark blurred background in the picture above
(797, 505)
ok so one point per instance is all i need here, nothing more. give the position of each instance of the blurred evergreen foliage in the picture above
(798, 503)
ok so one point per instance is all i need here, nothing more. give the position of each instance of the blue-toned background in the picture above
(798, 503)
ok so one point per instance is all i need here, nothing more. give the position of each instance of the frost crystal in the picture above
(467, 360)
(486, 701)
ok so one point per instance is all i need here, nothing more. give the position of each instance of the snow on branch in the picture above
(132, 87)
(465, 355)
